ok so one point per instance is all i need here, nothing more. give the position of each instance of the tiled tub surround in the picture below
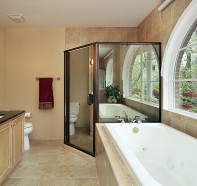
(146, 109)
(111, 167)
(180, 122)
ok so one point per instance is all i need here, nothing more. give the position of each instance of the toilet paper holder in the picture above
(27, 114)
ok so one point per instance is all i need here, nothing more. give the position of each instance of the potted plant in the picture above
(113, 93)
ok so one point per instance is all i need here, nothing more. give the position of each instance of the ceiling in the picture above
(77, 13)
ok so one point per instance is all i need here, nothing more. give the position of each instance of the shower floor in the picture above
(82, 138)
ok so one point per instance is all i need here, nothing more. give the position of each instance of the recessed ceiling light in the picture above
(17, 18)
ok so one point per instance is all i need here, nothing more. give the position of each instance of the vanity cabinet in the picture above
(5, 150)
(17, 139)
(11, 145)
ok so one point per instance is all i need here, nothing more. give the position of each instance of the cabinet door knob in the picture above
(13, 124)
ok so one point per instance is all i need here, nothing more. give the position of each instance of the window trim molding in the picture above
(177, 36)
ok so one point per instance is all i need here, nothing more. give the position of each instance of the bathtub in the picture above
(111, 111)
(158, 155)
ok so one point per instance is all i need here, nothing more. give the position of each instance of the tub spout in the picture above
(125, 118)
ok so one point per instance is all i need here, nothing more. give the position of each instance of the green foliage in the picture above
(113, 90)
(193, 109)
(143, 77)
(186, 100)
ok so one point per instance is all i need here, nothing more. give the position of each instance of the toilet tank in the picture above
(74, 108)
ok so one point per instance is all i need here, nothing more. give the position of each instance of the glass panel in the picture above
(136, 78)
(187, 64)
(80, 118)
(186, 96)
(109, 72)
(155, 70)
(136, 73)
(151, 93)
(191, 37)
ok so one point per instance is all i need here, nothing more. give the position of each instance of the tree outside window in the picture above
(144, 78)
(185, 80)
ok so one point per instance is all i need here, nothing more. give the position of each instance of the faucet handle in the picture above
(137, 117)
(117, 117)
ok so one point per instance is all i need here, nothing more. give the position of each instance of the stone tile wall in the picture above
(80, 36)
(158, 27)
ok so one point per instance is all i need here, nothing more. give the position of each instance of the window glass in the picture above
(185, 77)
(109, 72)
(144, 78)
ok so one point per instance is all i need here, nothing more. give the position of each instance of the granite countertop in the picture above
(7, 115)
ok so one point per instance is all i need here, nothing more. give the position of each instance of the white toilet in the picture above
(27, 130)
(74, 113)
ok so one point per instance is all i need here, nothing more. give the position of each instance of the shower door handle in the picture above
(90, 99)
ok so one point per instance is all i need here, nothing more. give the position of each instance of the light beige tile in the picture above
(56, 182)
(29, 159)
(21, 182)
(187, 2)
(86, 182)
(49, 163)
(166, 18)
(32, 171)
(76, 171)
(177, 10)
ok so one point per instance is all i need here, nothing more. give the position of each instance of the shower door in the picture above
(80, 87)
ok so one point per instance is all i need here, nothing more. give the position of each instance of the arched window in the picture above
(142, 77)
(185, 76)
(179, 66)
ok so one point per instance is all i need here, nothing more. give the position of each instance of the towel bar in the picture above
(57, 78)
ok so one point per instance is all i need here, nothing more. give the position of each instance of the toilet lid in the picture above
(27, 125)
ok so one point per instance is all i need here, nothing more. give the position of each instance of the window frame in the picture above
(133, 53)
(174, 44)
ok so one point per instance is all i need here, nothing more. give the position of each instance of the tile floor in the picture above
(82, 138)
(47, 163)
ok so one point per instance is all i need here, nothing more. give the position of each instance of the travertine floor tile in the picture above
(48, 164)
(76, 171)
(86, 182)
(32, 171)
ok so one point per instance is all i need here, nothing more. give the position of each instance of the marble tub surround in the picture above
(111, 167)
(50, 163)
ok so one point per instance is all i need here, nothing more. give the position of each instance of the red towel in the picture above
(46, 93)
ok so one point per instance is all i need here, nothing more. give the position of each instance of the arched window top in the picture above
(141, 74)
(179, 63)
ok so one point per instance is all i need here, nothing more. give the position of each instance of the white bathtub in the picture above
(107, 110)
(157, 154)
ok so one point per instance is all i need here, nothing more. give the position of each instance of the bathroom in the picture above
(42, 55)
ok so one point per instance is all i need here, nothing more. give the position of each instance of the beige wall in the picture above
(2, 67)
(158, 27)
(31, 53)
